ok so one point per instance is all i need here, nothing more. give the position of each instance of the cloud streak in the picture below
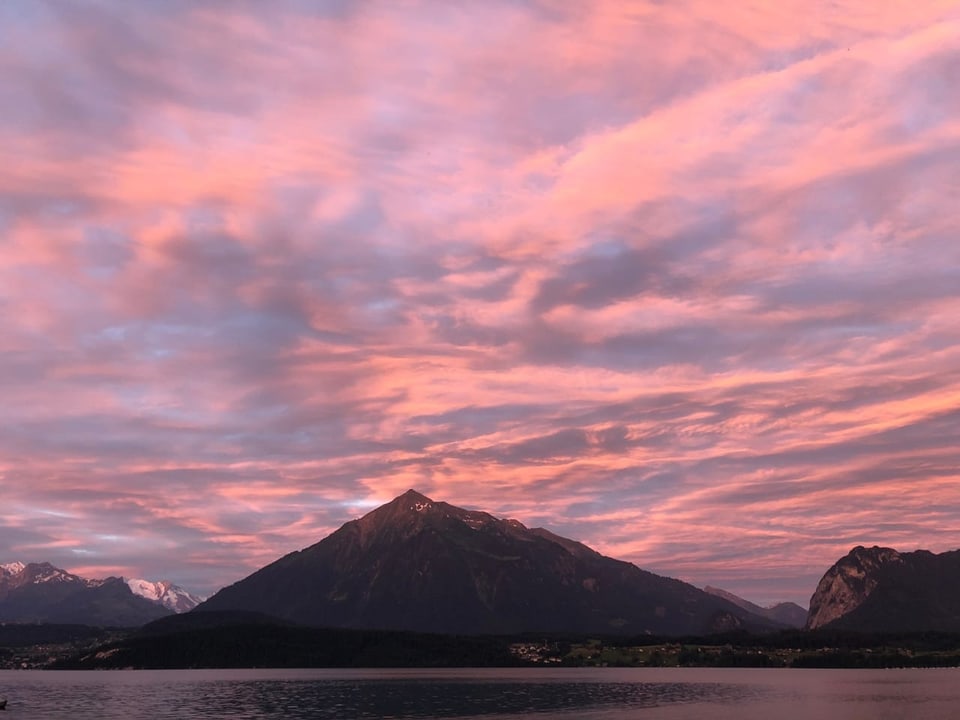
(677, 282)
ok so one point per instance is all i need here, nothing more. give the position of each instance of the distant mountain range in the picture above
(787, 614)
(42, 593)
(880, 589)
(419, 565)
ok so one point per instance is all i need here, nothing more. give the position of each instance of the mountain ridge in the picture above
(788, 613)
(41, 592)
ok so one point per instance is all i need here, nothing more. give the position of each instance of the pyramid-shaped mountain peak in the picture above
(416, 564)
(403, 510)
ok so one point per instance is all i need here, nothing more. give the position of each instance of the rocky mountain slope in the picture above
(40, 592)
(419, 565)
(883, 590)
(788, 614)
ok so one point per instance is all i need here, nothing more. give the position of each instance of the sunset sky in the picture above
(680, 280)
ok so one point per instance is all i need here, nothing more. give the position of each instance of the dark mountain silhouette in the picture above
(42, 593)
(419, 565)
(883, 590)
(788, 614)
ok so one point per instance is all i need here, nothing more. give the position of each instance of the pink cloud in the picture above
(643, 274)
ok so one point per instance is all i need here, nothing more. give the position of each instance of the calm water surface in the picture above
(594, 694)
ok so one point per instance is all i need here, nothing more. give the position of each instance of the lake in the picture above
(491, 694)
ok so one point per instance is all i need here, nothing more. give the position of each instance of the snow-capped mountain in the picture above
(13, 568)
(17, 574)
(173, 597)
(41, 592)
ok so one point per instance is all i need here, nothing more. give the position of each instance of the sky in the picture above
(680, 280)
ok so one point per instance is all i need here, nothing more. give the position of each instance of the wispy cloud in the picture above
(676, 280)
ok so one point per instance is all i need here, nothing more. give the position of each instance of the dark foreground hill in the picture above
(248, 640)
(882, 590)
(235, 640)
(423, 566)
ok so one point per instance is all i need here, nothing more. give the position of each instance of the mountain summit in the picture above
(421, 565)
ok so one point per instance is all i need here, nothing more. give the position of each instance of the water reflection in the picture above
(418, 699)
(484, 695)
(349, 698)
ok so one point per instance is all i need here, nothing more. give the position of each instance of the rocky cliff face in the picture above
(416, 564)
(880, 589)
(846, 585)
